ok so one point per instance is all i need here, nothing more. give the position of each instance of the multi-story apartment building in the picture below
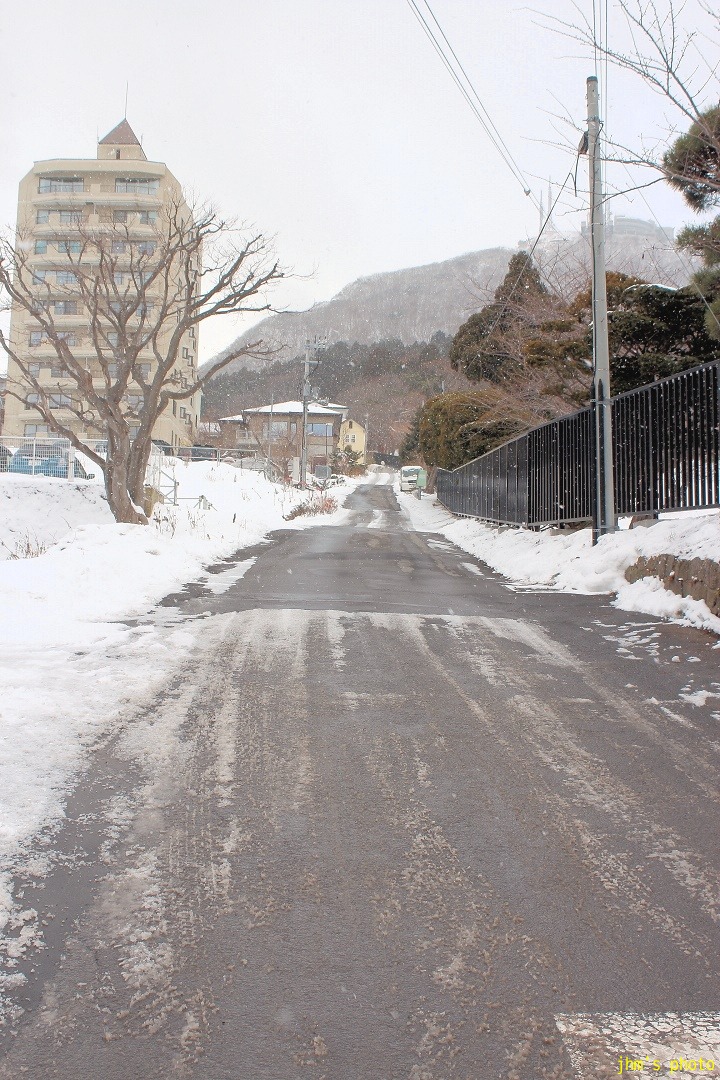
(62, 202)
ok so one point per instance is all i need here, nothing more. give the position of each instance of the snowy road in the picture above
(396, 822)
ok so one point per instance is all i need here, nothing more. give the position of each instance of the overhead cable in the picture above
(465, 86)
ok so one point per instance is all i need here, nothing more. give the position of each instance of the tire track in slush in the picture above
(340, 862)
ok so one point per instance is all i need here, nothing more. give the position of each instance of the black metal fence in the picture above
(666, 446)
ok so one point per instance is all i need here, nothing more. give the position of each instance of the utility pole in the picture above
(366, 462)
(310, 347)
(268, 463)
(604, 509)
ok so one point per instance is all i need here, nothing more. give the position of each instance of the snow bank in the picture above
(36, 511)
(569, 562)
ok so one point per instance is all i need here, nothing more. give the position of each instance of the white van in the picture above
(409, 477)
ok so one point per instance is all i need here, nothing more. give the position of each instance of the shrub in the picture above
(316, 504)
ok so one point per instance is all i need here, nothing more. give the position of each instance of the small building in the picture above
(275, 432)
(352, 437)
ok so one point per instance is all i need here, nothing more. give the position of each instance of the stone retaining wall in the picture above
(698, 578)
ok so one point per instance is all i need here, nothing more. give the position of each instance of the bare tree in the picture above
(140, 301)
(673, 62)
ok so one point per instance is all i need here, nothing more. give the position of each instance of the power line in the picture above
(475, 94)
(469, 92)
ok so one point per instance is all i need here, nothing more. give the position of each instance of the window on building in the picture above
(145, 310)
(142, 370)
(143, 276)
(41, 247)
(174, 407)
(43, 217)
(68, 336)
(60, 401)
(186, 354)
(60, 183)
(71, 217)
(66, 277)
(116, 307)
(120, 217)
(133, 431)
(134, 402)
(34, 370)
(147, 217)
(37, 337)
(67, 307)
(113, 338)
(113, 370)
(68, 247)
(33, 431)
(136, 185)
(31, 399)
(191, 332)
(58, 370)
(147, 248)
(119, 278)
(320, 429)
(38, 276)
(118, 247)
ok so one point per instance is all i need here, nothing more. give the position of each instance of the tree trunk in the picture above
(125, 507)
(139, 456)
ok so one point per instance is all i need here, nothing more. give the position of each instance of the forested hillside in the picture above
(389, 335)
(386, 382)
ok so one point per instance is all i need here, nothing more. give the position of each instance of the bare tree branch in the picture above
(136, 303)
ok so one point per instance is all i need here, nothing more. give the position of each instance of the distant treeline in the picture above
(343, 366)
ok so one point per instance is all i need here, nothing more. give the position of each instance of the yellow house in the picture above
(352, 437)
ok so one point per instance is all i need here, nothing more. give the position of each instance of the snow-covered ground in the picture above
(568, 561)
(72, 655)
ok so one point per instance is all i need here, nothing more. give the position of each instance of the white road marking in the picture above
(666, 1044)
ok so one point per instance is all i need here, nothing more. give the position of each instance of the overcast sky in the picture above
(331, 125)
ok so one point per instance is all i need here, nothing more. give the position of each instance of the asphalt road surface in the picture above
(399, 820)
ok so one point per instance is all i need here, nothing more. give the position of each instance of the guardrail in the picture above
(666, 447)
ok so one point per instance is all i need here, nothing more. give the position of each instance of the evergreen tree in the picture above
(455, 428)
(485, 347)
(692, 165)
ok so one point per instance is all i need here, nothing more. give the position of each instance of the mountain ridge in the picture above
(412, 304)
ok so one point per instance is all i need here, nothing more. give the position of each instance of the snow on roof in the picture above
(292, 407)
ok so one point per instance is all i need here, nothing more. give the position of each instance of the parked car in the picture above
(163, 446)
(50, 460)
(202, 453)
(409, 477)
(58, 466)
